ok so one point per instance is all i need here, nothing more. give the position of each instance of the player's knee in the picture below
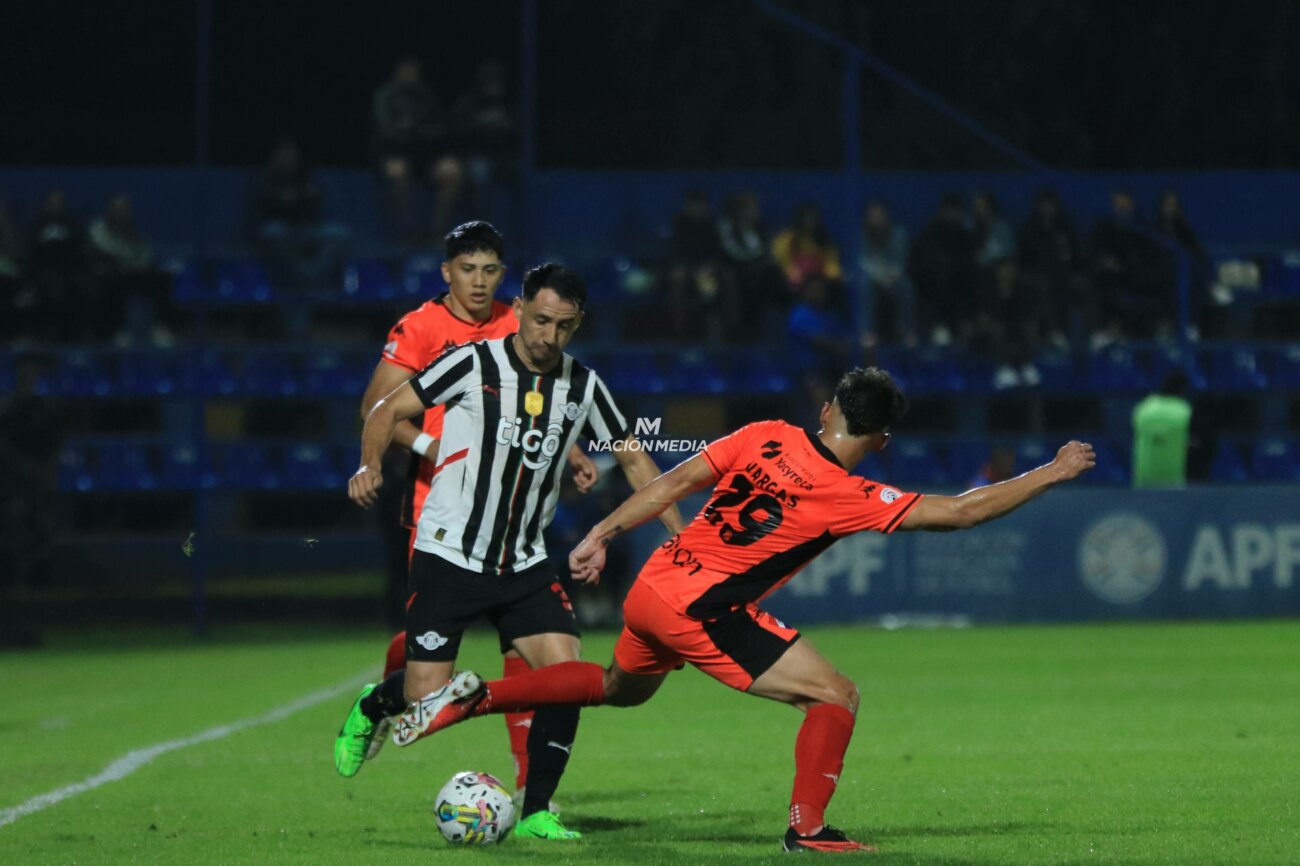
(841, 691)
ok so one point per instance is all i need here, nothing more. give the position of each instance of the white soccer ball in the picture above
(474, 809)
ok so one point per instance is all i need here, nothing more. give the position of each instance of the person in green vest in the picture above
(1161, 430)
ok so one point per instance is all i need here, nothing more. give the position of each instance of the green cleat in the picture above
(544, 825)
(353, 744)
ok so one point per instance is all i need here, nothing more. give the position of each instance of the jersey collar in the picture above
(821, 448)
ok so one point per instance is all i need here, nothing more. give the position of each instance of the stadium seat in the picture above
(637, 374)
(125, 467)
(1275, 460)
(269, 375)
(330, 373)
(82, 374)
(1227, 464)
(152, 373)
(1237, 368)
(965, 459)
(370, 279)
(1057, 371)
(1167, 358)
(1113, 466)
(1286, 368)
(916, 464)
(1031, 453)
(242, 280)
(187, 279)
(760, 372)
(1117, 369)
(308, 467)
(74, 473)
(696, 373)
(422, 277)
(934, 369)
(182, 470)
(215, 376)
(1282, 275)
(247, 466)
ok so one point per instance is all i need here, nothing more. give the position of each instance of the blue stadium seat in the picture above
(636, 374)
(242, 280)
(182, 470)
(187, 279)
(329, 373)
(1117, 369)
(1227, 464)
(1237, 368)
(369, 278)
(1113, 466)
(269, 375)
(74, 471)
(309, 467)
(1275, 460)
(760, 372)
(917, 464)
(247, 466)
(697, 373)
(155, 373)
(935, 369)
(422, 277)
(1166, 359)
(82, 374)
(1031, 453)
(1057, 370)
(1282, 275)
(1286, 368)
(965, 459)
(215, 376)
(125, 467)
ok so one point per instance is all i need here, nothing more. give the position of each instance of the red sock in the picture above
(396, 658)
(574, 683)
(517, 724)
(818, 760)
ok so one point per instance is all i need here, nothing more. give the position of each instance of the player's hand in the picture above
(363, 486)
(1074, 459)
(587, 561)
(585, 473)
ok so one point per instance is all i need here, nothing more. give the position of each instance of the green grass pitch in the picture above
(1048, 745)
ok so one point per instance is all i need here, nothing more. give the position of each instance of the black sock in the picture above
(387, 699)
(556, 725)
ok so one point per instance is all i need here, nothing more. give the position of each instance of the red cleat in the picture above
(827, 841)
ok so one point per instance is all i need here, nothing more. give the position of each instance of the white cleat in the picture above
(420, 716)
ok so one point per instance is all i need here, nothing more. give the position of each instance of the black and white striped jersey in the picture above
(505, 441)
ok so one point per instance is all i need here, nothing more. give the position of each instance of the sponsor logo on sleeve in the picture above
(889, 495)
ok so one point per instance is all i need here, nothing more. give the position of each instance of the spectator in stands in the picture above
(746, 249)
(412, 142)
(1206, 296)
(1006, 325)
(486, 126)
(994, 240)
(700, 284)
(884, 266)
(301, 249)
(61, 284)
(135, 294)
(1000, 466)
(942, 268)
(819, 344)
(29, 448)
(804, 250)
(1047, 250)
(1126, 270)
(1161, 435)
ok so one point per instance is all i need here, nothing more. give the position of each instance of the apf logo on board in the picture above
(1122, 558)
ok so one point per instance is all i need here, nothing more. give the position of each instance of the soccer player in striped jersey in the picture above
(514, 406)
(467, 312)
(781, 496)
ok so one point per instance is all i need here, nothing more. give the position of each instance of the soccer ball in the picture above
(474, 809)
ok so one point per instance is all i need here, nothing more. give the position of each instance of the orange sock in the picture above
(818, 760)
(518, 724)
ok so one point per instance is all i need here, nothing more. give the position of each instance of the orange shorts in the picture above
(734, 649)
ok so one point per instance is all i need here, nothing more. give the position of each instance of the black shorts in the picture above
(446, 598)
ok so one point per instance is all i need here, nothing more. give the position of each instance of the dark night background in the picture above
(671, 83)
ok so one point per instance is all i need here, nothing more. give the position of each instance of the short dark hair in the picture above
(870, 399)
(569, 285)
(1175, 384)
(474, 237)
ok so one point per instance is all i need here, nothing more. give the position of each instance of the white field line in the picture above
(134, 760)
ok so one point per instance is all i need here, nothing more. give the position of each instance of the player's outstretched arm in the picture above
(652, 500)
(942, 513)
(641, 470)
(403, 403)
(387, 378)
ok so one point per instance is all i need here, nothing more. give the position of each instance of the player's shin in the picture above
(580, 684)
(518, 724)
(818, 760)
(550, 741)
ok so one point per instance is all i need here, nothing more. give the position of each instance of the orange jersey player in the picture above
(466, 313)
(781, 496)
